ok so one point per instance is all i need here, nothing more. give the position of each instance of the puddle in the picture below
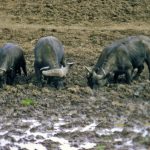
(21, 141)
(109, 131)
(31, 135)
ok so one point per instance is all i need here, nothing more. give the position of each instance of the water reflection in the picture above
(21, 141)
(31, 134)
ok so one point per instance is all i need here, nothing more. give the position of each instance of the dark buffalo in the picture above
(11, 61)
(50, 62)
(122, 57)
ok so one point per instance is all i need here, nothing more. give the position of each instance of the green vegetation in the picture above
(100, 147)
(27, 102)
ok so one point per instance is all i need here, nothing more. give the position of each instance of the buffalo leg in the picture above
(23, 66)
(148, 64)
(128, 76)
(39, 77)
(18, 71)
(24, 70)
(38, 74)
(59, 84)
(10, 77)
(63, 62)
(116, 77)
(3, 81)
(140, 69)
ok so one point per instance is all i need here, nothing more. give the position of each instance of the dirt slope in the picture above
(76, 11)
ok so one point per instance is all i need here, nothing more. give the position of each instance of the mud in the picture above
(76, 117)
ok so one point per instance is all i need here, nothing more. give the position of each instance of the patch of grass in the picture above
(27, 102)
(100, 147)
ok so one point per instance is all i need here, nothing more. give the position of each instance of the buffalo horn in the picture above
(61, 72)
(97, 76)
(3, 69)
(89, 69)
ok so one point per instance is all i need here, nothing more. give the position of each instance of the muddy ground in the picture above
(119, 113)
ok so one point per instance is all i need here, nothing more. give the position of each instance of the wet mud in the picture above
(76, 117)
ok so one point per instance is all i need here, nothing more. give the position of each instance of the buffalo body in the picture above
(122, 57)
(11, 61)
(49, 61)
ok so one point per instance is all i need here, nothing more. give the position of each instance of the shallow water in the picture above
(31, 134)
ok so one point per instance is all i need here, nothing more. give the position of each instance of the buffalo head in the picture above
(95, 79)
(57, 74)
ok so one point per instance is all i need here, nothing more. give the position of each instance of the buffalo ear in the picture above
(89, 69)
(70, 64)
(44, 68)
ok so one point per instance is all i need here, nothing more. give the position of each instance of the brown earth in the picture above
(84, 27)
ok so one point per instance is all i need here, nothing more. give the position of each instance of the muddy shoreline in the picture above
(116, 116)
